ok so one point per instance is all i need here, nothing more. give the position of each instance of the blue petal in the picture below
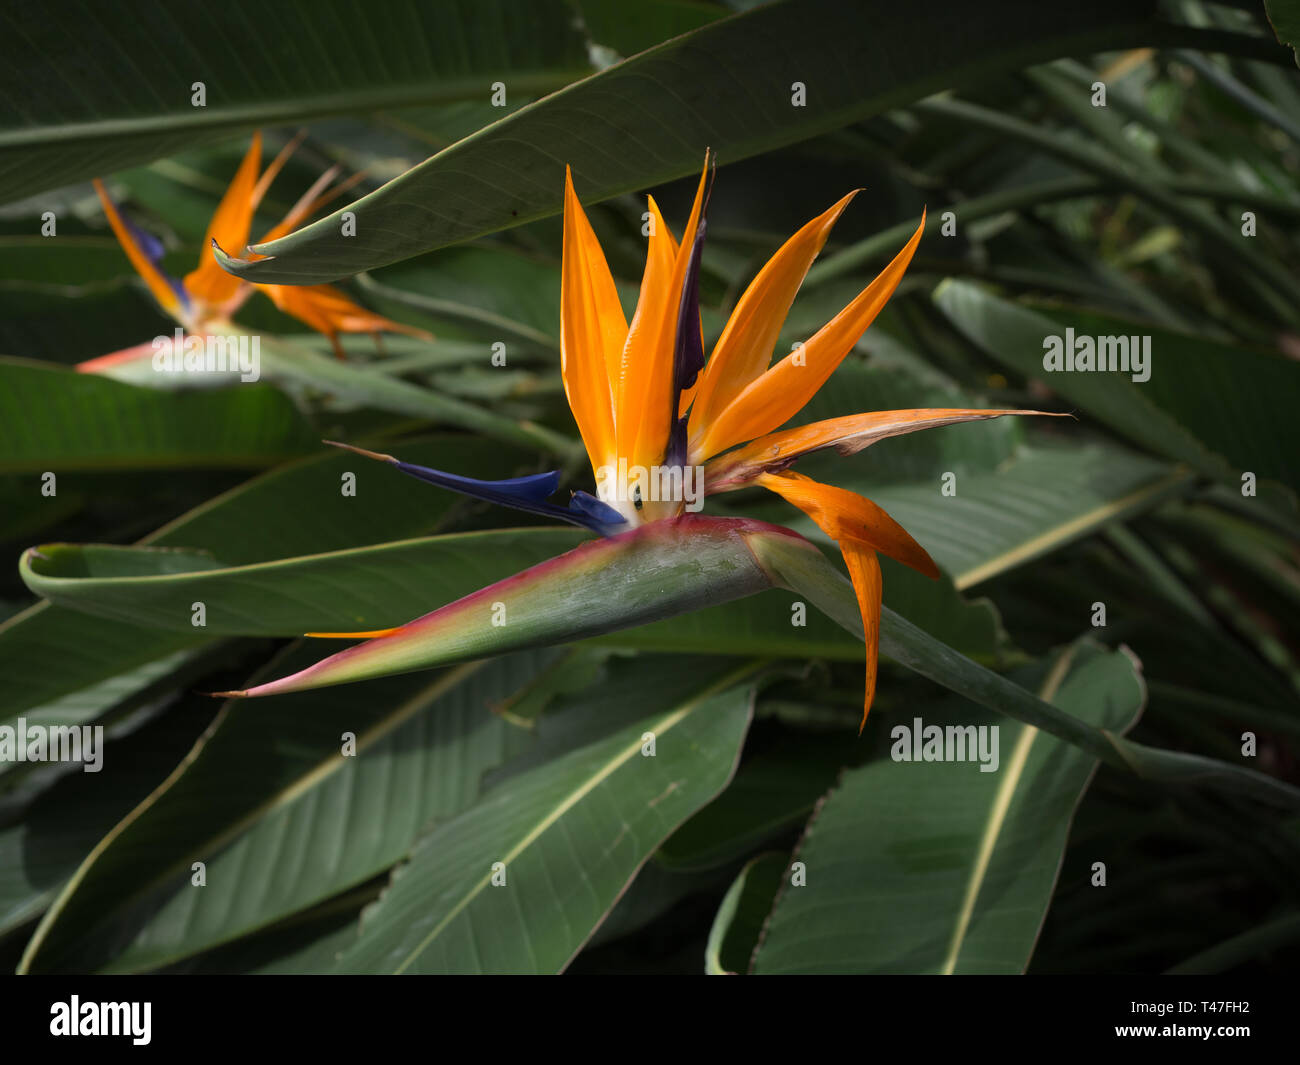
(525, 493)
(153, 250)
(688, 354)
(597, 511)
(148, 243)
(535, 488)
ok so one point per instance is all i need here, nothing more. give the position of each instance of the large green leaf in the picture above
(626, 596)
(116, 89)
(283, 825)
(496, 292)
(338, 591)
(63, 823)
(775, 790)
(562, 841)
(654, 893)
(1221, 408)
(628, 26)
(48, 652)
(937, 866)
(729, 86)
(1284, 16)
(55, 419)
(659, 570)
(1043, 497)
(743, 912)
(51, 654)
(298, 367)
(602, 587)
(902, 641)
(143, 688)
(304, 944)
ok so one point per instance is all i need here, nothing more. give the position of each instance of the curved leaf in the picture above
(909, 646)
(48, 651)
(939, 867)
(739, 919)
(656, 571)
(337, 591)
(53, 418)
(39, 852)
(118, 90)
(1221, 408)
(729, 86)
(280, 826)
(519, 882)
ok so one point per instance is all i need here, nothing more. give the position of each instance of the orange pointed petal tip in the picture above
(659, 347)
(845, 516)
(229, 229)
(847, 435)
(641, 376)
(277, 164)
(868, 586)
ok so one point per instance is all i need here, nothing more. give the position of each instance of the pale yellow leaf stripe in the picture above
(997, 815)
(664, 724)
(426, 696)
(1059, 534)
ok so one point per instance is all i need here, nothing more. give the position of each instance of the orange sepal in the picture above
(779, 393)
(864, 571)
(744, 349)
(208, 282)
(593, 330)
(153, 277)
(642, 379)
(847, 435)
(646, 382)
(860, 528)
(844, 515)
(328, 311)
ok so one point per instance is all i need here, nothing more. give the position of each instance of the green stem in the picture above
(806, 572)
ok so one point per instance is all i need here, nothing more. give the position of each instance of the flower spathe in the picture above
(204, 301)
(644, 396)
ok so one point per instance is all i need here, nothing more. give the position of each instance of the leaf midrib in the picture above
(282, 797)
(276, 112)
(664, 724)
(997, 816)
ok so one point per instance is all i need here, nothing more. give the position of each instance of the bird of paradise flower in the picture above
(644, 396)
(207, 298)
